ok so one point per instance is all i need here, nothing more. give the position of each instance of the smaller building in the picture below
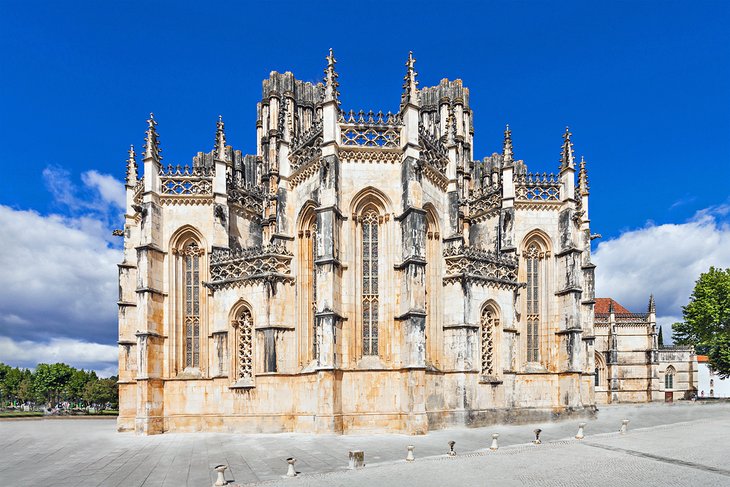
(630, 365)
(709, 382)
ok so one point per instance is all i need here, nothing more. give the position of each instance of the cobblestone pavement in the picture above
(678, 444)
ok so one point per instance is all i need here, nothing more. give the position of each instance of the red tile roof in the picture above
(703, 358)
(602, 305)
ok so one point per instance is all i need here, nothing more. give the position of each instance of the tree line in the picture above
(53, 384)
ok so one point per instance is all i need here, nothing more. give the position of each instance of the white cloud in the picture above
(109, 188)
(665, 260)
(65, 350)
(77, 353)
(58, 279)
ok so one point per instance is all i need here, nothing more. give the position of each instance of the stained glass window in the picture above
(192, 305)
(370, 283)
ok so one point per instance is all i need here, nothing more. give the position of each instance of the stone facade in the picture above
(630, 364)
(361, 272)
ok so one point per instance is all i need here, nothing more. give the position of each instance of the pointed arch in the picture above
(490, 320)
(534, 251)
(307, 281)
(669, 375)
(241, 319)
(371, 196)
(188, 270)
(601, 377)
(371, 210)
(433, 285)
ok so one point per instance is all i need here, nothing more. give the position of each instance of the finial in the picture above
(132, 167)
(507, 151)
(330, 79)
(567, 159)
(410, 85)
(583, 178)
(219, 151)
(652, 305)
(151, 140)
(610, 306)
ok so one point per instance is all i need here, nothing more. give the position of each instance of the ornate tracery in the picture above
(489, 327)
(370, 302)
(191, 257)
(243, 324)
(533, 255)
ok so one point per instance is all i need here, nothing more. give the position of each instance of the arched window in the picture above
(533, 255)
(370, 283)
(433, 286)
(307, 282)
(243, 339)
(489, 329)
(600, 378)
(191, 308)
(669, 378)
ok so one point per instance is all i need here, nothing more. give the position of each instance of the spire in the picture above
(330, 80)
(652, 305)
(567, 159)
(507, 152)
(610, 306)
(410, 85)
(132, 167)
(583, 178)
(151, 140)
(220, 140)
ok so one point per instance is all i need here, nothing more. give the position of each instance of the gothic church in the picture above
(360, 272)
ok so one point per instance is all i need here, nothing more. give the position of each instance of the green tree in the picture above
(661, 337)
(50, 380)
(74, 389)
(706, 322)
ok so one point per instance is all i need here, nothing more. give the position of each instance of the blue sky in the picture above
(644, 87)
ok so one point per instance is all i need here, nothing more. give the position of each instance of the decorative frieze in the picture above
(186, 180)
(537, 187)
(479, 266)
(370, 129)
(271, 263)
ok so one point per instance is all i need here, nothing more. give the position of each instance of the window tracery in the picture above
(370, 284)
(191, 320)
(243, 324)
(533, 255)
(669, 378)
(489, 325)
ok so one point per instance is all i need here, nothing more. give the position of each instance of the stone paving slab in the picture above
(77, 452)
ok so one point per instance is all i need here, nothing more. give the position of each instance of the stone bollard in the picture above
(494, 442)
(537, 436)
(410, 457)
(624, 426)
(451, 451)
(580, 435)
(357, 459)
(221, 480)
(290, 471)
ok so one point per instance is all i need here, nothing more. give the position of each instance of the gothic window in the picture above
(532, 259)
(370, 283)
(307, 282)
(191, 320)
(669, 378)
(243, 325)
(489, 327)
(600, 378)
(313, 290)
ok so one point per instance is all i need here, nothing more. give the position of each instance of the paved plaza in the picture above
(680, 444)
